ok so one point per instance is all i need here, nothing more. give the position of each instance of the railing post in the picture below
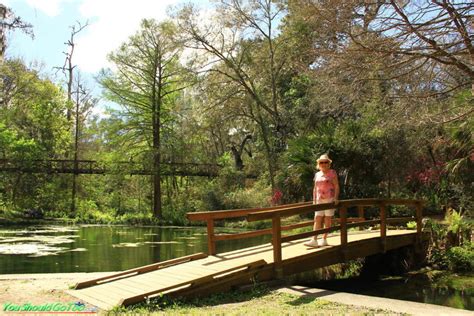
(276, 241)
(383, 227)
(360, 213)
(211, 243)
(343, 223)
(419, 223)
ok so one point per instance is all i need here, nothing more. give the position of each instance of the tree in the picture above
(68, 67)
(8, 21)
(82, 102)
(241, 46)
(34, 127)
(146, 83)
(419, 51)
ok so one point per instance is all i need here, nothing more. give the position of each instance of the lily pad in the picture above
(76, 250)
(52, 240)
(127, 245)
(28, 249)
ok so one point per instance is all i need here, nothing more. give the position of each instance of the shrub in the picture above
(137, 219)
(248, 198)
(461, 259)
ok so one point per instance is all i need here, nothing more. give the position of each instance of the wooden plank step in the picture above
(93, 300)
(138, 298)
(144, 269)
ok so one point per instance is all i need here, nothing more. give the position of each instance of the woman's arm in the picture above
(314, 190)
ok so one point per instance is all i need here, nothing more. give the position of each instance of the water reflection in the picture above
(47, 249)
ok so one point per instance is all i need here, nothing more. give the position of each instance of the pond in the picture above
(94, 248)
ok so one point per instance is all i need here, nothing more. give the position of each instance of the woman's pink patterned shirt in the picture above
(325, 188)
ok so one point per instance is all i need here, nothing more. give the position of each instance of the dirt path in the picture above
(40, 289)
(377, 303)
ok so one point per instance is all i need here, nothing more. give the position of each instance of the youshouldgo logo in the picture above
(49, 308)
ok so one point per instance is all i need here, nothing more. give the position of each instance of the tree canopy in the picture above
(257, 89)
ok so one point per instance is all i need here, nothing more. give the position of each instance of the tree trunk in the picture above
(76, 156)
(156, 100)
(268, 152)
(156, 166)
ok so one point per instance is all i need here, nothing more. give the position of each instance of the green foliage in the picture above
(459, 227)
(137, 219)
(16, 147)
(461, 259)
(217, 196)
(450, 245)
(32, 126)
(229, 190)
(286, 93)
(351, 269)
(248, 197)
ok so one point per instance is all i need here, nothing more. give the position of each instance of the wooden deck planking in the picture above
(141, 284)
(191, 271)
(114, 290)
(110, 294)
(101, 296)
(153, 280)
(170, 279)
(94, 300)
(154, 277)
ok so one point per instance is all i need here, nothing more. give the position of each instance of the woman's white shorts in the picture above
(325, 212)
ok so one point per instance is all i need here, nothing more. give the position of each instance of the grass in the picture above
(259, 300)
(460, 282)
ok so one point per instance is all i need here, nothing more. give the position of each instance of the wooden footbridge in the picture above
(201, 274)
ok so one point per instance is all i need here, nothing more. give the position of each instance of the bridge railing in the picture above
(276, 213)
(211, 217)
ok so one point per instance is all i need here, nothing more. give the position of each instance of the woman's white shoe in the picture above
(312, 243)
(323, 242)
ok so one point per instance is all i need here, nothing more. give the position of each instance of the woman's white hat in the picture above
(324, 157)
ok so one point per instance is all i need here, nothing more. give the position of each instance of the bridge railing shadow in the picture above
(276, 213)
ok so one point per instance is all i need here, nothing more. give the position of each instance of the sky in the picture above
(111, 22)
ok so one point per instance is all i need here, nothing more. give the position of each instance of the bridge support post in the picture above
(276, 241)
(383, 227)
(419, 228)
(211, 243)
(343, 223)
(360, 213)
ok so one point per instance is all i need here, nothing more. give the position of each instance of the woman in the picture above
(326, 190)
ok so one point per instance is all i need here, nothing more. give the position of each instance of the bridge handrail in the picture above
(296, 210)
(225, 214)
(275, 214)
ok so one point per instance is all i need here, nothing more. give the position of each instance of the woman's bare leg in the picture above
(327, 224)
(318, 224)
